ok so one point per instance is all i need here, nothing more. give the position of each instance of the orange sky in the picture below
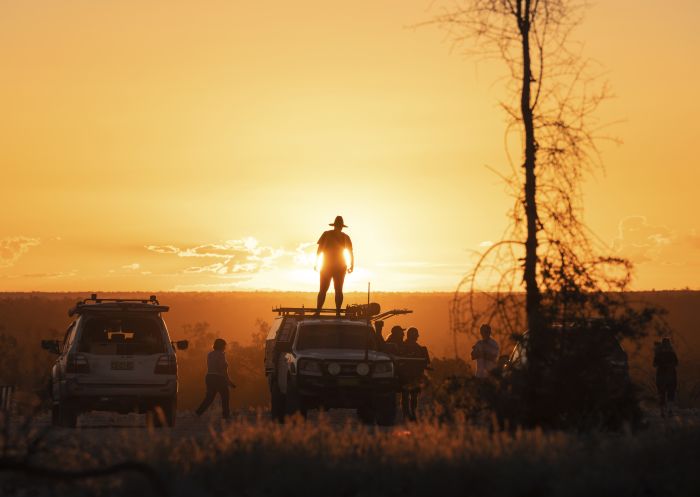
(205, 145)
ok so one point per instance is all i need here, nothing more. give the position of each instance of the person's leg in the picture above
(405, 405)
(208, 398)
(223, 392)
(338, 280)
(661, 388)
(325, 283)
(414, 403)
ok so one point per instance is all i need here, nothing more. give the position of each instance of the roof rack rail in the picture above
(362, 311)
(94, 303)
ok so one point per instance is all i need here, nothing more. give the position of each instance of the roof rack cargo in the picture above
(370, 312)
(94, 304)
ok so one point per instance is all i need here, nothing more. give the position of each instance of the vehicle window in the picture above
(286, 331)
(69, 336)
(334, 336)
(122, 335)
(273, 329)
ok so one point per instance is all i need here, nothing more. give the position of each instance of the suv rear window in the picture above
(335, 336)
(122, 335)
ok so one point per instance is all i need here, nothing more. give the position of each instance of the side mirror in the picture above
(51, 345)
(182, 344)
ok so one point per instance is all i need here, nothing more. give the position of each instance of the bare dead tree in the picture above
(549, 267)
(547, 256)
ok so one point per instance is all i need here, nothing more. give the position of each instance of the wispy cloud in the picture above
(52, 275)
(232, 257)
(14, 247)
(643, 242)
(134, 266)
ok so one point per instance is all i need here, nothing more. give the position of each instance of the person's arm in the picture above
(378, 327)
(319, 250)
(352, 255)
(228, 378)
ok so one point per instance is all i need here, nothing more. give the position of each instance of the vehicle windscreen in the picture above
(122, 335)
(335, 336)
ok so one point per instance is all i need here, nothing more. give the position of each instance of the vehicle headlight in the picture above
(309, 367)
(334, 368)
(383, 368)
(363, 369)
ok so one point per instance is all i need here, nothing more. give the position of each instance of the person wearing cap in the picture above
(665, 362)
(485, 352)
(417, 360)
(217, 380)
(394, 341)
(332, 245)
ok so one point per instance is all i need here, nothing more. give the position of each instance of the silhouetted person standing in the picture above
(410, 389)
(665, 362)
(217, 380)
(332, 245)
(485, 352)
(394, 342)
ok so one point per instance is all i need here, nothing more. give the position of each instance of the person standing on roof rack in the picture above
(333, 244)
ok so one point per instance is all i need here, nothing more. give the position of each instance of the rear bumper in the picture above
(105, 393)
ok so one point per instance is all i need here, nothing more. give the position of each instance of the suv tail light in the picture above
(167, 364)
(77, 363)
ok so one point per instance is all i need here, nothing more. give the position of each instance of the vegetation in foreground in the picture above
(258, 457)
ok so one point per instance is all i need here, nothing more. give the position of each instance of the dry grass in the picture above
(258, 457)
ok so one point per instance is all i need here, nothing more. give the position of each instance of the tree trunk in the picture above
(532, 303)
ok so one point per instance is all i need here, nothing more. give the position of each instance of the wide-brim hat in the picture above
(338, 221)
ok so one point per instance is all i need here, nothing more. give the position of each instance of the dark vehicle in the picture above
(324, 361)
(116, 356)
(583, 375)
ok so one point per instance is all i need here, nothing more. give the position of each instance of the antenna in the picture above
(368, 325)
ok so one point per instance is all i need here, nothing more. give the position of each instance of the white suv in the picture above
(116, 356)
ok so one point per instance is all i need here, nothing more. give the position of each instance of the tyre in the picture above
(170, 412)
(294, 402)
(67, 415)
(277, 401)
(366, 414)
(162, 414)
(55, 415)
(385, 407)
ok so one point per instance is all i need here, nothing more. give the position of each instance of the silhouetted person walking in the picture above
(485, 352)
(217, 380)
(332, 245)
(665, 362)
(410, 389)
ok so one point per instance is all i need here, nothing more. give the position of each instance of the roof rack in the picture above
(356, 312)
(96, 304)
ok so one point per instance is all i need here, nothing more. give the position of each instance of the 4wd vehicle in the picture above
(324, 361)
(116, 356)
(582, 378)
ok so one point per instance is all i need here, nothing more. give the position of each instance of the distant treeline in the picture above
(243, 318)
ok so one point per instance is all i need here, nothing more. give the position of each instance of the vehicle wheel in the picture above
(170, 412)
(67, 416)
(366, 414)
(162, 415)
(294, 403)
(277, 401)
(55, 415)
(386, 410)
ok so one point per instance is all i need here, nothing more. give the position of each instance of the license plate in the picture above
(122, 365)
(345, 382)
